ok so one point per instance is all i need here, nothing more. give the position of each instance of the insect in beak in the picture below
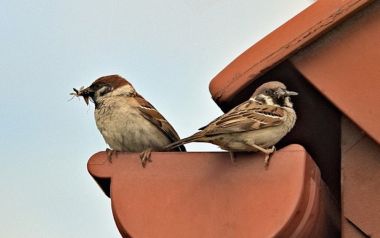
(83, 92)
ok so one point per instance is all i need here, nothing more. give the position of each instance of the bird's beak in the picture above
(290, 93)
(284, 93)
(86, 93)
(86, 99)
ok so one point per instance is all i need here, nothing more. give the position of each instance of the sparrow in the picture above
(254, 125)
(127, 121)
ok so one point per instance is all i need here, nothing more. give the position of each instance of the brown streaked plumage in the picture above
(126, 120)
(255, 125)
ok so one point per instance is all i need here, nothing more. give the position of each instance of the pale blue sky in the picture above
(169, 50)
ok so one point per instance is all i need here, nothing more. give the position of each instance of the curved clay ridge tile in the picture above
(280, 44)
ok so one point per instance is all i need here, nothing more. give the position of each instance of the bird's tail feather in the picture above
(183, 141)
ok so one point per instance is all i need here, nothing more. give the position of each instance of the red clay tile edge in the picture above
(298, 32)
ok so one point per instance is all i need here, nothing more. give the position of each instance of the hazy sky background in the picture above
(169, 50)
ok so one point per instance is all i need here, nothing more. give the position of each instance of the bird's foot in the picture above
(268, 154)
(145, 157)
(232, 156)
(110, 153)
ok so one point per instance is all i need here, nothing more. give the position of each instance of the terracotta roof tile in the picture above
(308, 26)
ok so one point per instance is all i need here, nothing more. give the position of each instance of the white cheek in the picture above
(124, 90)
(100, 92)
(268, 100)
(287, 102)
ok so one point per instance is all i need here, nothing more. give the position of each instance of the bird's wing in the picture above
(247, 116)
(151, 114)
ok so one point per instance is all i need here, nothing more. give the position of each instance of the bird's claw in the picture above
(145, 157)
(110, 153)
(232, 157)
(268, 155)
